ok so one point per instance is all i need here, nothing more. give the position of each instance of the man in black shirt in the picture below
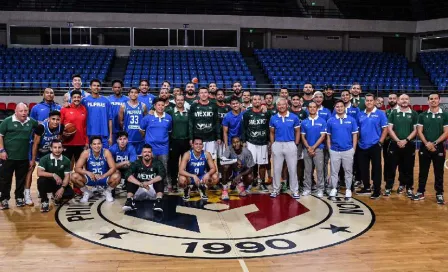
(329, 99)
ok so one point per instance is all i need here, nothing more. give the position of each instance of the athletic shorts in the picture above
(259, 153)
(101, 182)
(211, 147)
(143, 194)
(200, 178)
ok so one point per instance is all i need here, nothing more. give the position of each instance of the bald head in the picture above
(21, 112)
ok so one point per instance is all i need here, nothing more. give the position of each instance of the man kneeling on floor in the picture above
(240, 172)
(54, 176)
(145, 181)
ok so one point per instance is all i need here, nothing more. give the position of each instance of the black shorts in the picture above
(73, 151)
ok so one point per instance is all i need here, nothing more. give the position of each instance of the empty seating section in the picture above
(36, 68)
(375, 71)
(180, 66)
(436, 66)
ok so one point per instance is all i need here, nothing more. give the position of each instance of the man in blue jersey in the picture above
(372, 132)
(96, 167)
(342, 139)
(44, 134)
(145, 97)
(284, 137)
(231, 124)
(40, 111)
(99, 114)
(123, 153)
(77, 84)
(116, 100)
(313, 129)
(193, 170)
(130, 116)
(156, 129)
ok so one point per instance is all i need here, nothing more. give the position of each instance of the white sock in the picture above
(109, 189)
(84, 189)
(225, 186)
(27, 192)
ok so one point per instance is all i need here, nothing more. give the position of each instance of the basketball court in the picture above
(255, 233)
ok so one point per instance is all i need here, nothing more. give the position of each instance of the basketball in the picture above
(69, 129)
(195, 80)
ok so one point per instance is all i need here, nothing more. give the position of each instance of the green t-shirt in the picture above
(403, 122)
(146, 173)
(222, 111)
(204, 122)
(180, 124)
(52, 165)
(16, 137)
(301, 114)
(433, 124)
(272, 111)
(360, 102)
(227, 99)
(191, 100)
(255, 128)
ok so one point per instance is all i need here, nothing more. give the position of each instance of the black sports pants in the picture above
(9, 167)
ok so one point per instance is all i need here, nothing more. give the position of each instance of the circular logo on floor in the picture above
(243, 227)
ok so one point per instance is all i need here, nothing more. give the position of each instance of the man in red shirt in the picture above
(75, 114)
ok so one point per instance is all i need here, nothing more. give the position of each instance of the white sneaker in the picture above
(333, 192)
(109, 197)
(348, 193)
(320, 194)
(85, 197)
(306, 192)
(28, 200)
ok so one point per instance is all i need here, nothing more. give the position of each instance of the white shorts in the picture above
(211, 148)
(221, 148)
(143, 194)
(259, 153)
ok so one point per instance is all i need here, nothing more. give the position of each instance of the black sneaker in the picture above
(400, 190)
(57, 202)
(187, 193)
(418, 196)
(364, 191)
(387, 192)
(409, 193)
(4, 205)
(440, 199)
(158, 205)
(20, 202)
(375, 195)
(129, 205)
(203, 192)
(264, 188)
(357, 184)
(45, 207)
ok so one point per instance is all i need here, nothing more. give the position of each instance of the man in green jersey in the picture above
(145, 181)
(54, 176)
(237, 89)
(204, 122)
(432, 129)
(255, 133)
(401, 151)
(269, 100)
(356, 99)
(393, 105)
(15, 132)
(212, 88)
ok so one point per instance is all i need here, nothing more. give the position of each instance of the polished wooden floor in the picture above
(407, 236)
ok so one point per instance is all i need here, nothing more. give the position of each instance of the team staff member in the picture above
(349, 108)
(145, 180)
(322, 112)
(75, 114)
(313, 131)
(40, 111)
(284, 137)
(179, 137)
(145, 96)
(329, 99)
(393, 105)
(117, 100)
(54, 176)
(356, 99)
(372, 132)
(432, 129)
(255, 133)
(342, 139)
(297, 109)
(99, 114)
(401, 151)
(231, 124)
(15, 133)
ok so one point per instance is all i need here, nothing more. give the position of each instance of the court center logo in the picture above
(249, 227)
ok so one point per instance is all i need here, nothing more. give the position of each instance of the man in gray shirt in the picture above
(239, 172)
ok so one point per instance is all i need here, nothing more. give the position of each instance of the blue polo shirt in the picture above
(128, 154)
(233, 122)
(322, 112)
(284, 126)
(157, 132)
(351, 111)
(341, 131)
(371, 127)
(116, 103)
(146, 99)
(313, 130)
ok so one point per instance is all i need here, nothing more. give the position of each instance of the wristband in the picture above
(435, 142)
(407, 140)
(2, 150)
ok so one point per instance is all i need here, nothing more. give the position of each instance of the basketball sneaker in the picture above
(187, 193)
(108, 194)
(409, 193)
(418, 196)
(45, 207)
(20, 202)
(320, 194)
(249, 188)
(28, 199)
(263, 187)
(364, 191)
(333, 192)
(440, 199)
(274, 194)
(375, 195)
(241, 190)
(4, 205)
(203, 192)
(387, 192)
(296, 195)
(129, 205)
(306, 193)
(348, 194)
(400, 190)
(85, 197)
(225, 195)
(158, 207)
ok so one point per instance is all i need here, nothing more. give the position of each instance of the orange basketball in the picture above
(69, 129)
(195, 80)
